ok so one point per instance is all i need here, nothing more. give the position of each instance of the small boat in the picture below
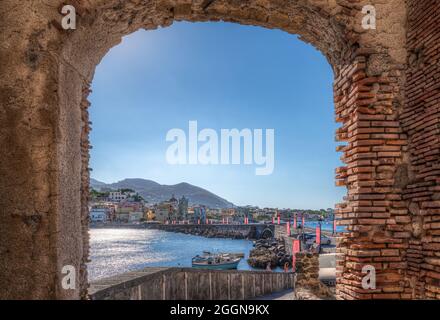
(222, 261)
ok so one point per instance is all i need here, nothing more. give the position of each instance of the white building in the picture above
(117, 196)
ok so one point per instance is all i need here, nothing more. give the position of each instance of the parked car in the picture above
(311, 239)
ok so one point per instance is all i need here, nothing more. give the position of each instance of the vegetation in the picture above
(138, 198)
(94, 194)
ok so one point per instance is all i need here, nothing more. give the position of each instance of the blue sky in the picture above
(223, 76)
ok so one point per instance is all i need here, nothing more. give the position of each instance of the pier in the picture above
(234, 231)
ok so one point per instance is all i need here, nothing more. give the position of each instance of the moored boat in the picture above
(221, 261)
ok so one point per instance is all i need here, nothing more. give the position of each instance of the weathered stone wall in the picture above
(307, 285)
(389, 131)
(190, 284)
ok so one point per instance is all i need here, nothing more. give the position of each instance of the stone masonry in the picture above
(386, 98)
(308, 286)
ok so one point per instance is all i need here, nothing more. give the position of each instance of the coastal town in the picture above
(126, 206)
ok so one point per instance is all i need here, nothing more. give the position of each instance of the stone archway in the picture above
(46, 74)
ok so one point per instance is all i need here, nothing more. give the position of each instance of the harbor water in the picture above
(115, 251)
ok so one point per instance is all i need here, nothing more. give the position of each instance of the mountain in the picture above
(97, 185)
(154, 192)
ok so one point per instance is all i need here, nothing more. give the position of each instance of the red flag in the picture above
(288, 228)
(295, 224)
(273, 220)
(295, 250)
(318, 234)
(278, 218)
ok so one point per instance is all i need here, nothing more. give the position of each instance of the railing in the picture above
(190, 284)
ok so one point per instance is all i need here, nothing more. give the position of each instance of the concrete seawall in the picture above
(190, 284)
(234, 231)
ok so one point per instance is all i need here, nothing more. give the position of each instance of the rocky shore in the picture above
(269, 251)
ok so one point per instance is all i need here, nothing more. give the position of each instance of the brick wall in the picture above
(421, 121)
(367, 105)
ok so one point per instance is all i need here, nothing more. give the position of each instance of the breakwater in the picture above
(233, 231)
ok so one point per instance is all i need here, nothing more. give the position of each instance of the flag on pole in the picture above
(295, 250)
(303, 221)
(273, 220)
(318, 234)
(295, 223)
(278, 218)
(288, 228)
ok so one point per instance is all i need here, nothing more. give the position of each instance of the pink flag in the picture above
(318, 234)
(295, 226)
(334, 226)
(295, 250)
(288, 228)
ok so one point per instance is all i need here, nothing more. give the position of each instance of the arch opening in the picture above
(368, 98)
(284, 93)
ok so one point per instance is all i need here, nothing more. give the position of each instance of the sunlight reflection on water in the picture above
(115, 251)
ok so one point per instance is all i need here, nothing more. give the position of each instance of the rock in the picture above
(269, 251)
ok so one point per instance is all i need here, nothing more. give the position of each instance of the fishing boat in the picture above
(221, 261)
